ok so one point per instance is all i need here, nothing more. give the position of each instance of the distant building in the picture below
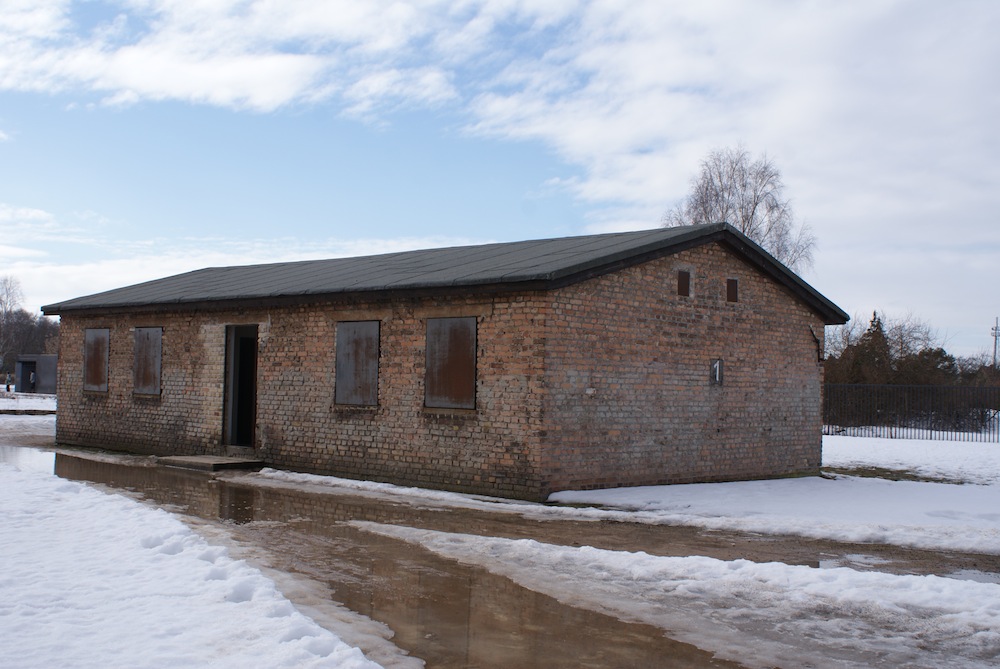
(518, 369)
(42, 367)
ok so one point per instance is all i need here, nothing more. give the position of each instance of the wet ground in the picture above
(444, 613)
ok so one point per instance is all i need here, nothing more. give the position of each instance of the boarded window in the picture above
(732, 290)
(357, 363)
(146, 365)
(684, 283)
(450, 380)
(96, 345)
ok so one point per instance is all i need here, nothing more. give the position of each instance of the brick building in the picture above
(517, 369)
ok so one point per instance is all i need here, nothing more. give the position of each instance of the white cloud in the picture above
(33, 18)
(881, 114)
(881, 117)
(35, 228)
(257, 55)
(425, 86)
(16, 252)
(24, 221)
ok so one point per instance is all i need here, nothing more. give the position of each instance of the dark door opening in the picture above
(28, 383)
(241, 385)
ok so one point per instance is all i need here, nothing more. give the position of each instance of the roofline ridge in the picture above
(534, 264)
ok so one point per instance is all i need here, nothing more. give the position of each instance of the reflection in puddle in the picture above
(236, 504)
(447, 614)
(28, 459)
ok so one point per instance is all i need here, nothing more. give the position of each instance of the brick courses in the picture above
(599, 383)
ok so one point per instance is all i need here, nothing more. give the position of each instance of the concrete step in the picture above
(209, 463)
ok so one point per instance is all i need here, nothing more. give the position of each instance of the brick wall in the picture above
(628, 369)
(488, 450)
(600, 383)
(186, 418)
(492, 449)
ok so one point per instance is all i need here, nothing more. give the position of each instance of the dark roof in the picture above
(534, 264)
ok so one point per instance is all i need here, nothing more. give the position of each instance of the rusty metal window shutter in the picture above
(357, 363)
(684, 283)
(450, 377)
(96, 345)
(147, 361)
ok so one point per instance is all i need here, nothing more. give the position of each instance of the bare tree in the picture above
(908, 335)
(10, 294)
(747, 193)
(20, 330)
(10, 303)
(839, 337)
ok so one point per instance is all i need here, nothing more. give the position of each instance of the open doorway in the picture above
(241, 385)
(26, 377)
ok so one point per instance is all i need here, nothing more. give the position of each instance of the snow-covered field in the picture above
(91, 579)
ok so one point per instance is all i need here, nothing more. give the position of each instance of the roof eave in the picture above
(687, 239)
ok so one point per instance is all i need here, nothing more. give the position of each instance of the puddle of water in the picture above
(975, 575)
(854, 561)
(870, 562)
(452, 615)
(447, 614)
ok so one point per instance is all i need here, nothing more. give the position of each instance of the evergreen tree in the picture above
(873, 362)
(930, 366)
(867, 361)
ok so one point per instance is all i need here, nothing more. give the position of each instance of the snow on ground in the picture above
(918, 514)
(763, 615)
(90, 579)
(934, 516)
(26, 401)
(970, 462)
(771, 614)
(113, 579)
(14, 429)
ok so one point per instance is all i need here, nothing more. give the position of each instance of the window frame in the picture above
(147, 361)
(451, 363)
(356, 367)
(96, 358)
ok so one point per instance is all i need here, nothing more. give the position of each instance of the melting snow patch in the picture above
(759, 614)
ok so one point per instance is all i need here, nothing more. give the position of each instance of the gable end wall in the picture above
(629, 399)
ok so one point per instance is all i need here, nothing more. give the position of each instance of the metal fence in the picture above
(955, 413)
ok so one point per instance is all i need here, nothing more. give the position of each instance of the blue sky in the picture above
(142, 138)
